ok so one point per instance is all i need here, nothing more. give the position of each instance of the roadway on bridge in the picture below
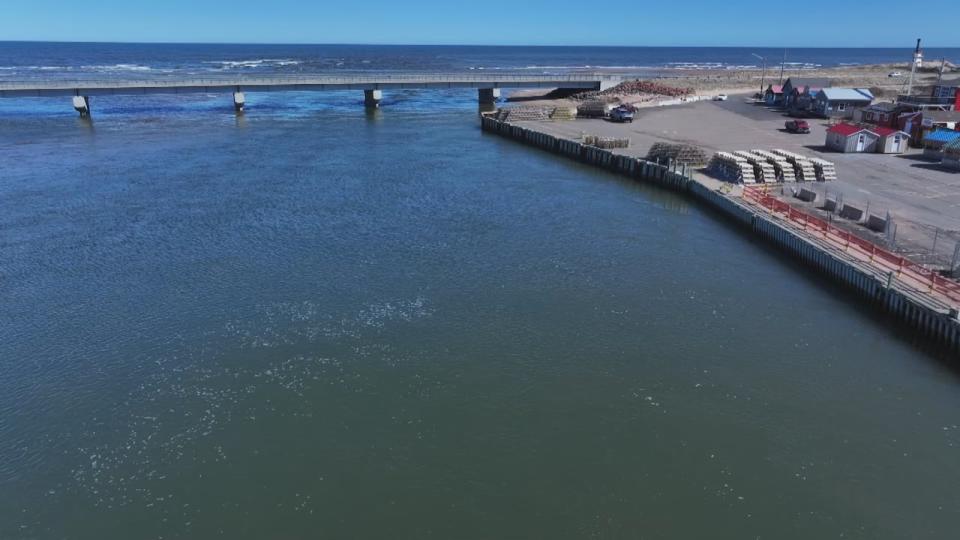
(99, 87)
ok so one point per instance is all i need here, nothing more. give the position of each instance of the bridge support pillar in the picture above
(82, 105)
(489, 96)
(239, 101)
(372, 98)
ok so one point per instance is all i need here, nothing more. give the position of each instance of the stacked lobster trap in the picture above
(770, 166)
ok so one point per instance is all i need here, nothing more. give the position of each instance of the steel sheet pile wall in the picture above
(629, 166)
(934, 321)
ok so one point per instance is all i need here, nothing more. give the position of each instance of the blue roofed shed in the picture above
(840, 102)
(935, 141)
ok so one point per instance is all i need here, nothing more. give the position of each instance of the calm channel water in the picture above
(316, 323)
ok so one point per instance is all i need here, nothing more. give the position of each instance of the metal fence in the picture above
(904, 269)
(955, 265)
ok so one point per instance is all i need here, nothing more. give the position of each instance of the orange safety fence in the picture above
(901, 266)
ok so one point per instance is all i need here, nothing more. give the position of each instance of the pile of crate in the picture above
(691, 155)
(826, 172)
(527, 114)
(783, 168)
(803, 168)
(535, 114)
(606, 142)
(564, 113)
(771, 166)
(593, 109)
(732, 167)
(762, 171)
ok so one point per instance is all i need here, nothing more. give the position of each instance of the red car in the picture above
(797, 126)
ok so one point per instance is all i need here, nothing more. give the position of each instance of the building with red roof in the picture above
(892, 141)
(797, 93)
(774, 95)
(846, 137)
(846, 129)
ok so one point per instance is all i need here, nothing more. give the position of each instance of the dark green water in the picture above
(331, 326)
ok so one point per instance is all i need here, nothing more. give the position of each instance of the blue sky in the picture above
(819, 23)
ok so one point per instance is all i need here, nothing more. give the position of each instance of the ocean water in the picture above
(316, 321)
(39, 60)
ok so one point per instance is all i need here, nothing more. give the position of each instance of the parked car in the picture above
(621, 114)
(720, 97)
(895, 74)
(797, 126)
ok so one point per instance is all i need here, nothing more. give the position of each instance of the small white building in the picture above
(892, 141)
(849, 138)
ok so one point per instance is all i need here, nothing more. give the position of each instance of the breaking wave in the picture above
(252, 64)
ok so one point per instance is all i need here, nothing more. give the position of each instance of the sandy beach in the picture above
(710, 82)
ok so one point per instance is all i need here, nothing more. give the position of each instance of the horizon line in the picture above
(372, 44)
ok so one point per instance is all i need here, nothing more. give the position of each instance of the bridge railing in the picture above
(270, 80)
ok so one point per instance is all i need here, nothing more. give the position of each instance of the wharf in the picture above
(922, 199)
(926, 303)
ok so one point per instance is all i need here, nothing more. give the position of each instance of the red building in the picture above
(884, 114)
(919, 123)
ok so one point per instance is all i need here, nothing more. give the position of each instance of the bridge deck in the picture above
(95, 87)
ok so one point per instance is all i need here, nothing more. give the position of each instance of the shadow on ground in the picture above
(915, 157)
(934, 167)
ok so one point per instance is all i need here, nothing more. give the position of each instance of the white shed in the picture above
(892, 141)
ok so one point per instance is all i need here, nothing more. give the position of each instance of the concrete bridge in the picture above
(487, 85)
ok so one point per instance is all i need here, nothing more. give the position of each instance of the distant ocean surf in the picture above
(21, 60)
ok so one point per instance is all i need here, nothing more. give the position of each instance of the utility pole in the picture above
(955, 266)
(763, 75)
(783, 63)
